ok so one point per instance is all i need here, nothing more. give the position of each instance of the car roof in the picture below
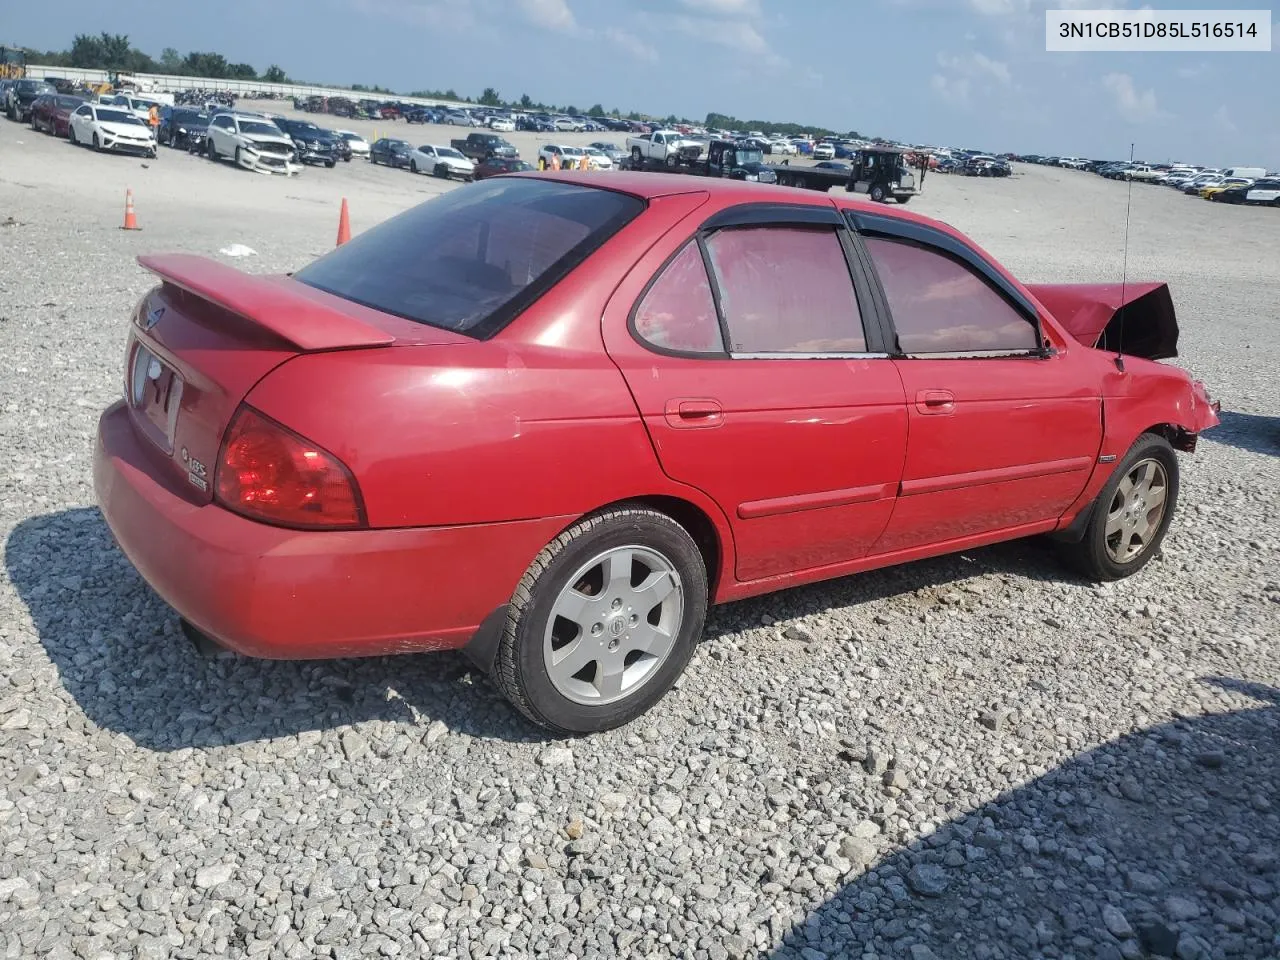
(651, 186)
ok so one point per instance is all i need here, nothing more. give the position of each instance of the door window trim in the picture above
(773, 214)
(944, 245)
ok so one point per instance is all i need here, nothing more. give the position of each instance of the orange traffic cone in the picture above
(344, 224)
(130, 219)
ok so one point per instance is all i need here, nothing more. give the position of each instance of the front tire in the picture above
(1132, 513)
(603, 622)
(441, 171)
(413, 166)
(97, 143)
(877, 194)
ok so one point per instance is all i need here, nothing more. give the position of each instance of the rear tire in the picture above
(615, 573)
(1124, 530)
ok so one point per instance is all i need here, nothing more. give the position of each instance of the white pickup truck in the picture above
(663, 146)
(1142, 172)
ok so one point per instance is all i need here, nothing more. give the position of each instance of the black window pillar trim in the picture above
(892, 228)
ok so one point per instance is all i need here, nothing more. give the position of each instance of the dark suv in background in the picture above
(185, 128)
(23, 94)
(314, 144)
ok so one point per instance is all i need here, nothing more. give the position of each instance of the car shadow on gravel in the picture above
(1163, 843)
(120, 654)
(1247, 431)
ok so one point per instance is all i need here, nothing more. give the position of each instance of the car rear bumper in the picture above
(269, 592)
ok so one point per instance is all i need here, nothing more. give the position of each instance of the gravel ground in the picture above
(976, 756)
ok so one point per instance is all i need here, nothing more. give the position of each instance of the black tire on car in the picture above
(211, 150)
(97, 144)
(903, 199)
(877, 193)
(441, 171)
(1124, 532)
(413, 166)
(563, 577)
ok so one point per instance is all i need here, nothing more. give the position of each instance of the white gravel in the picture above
(977, 756)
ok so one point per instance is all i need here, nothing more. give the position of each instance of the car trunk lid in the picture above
(203, 337)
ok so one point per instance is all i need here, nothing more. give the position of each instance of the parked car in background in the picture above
(824, 151)
(184, 128)
(253, 142)
(311, 144)
(460, 118)
(358, 145)
(1265, 190)
(922, 404)
(560, 156)
(22, 94)
(1211, 191)
(477, 146)
(111, 129)
(51, 113)
(610, 149)
(441, 161)
(496, 166)
(598, 159)
(393, 153)
(664, 146)
(501, 125)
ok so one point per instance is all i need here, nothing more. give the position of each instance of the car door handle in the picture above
(692, 413)
(935, 402)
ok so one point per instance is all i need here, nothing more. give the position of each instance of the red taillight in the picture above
(269, 473)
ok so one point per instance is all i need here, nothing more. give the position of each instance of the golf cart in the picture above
(881, 173)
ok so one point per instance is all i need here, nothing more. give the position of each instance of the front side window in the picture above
(786, 290)
(941, 306)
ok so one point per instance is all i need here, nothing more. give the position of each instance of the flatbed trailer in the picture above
(879, 173)
(723, 158)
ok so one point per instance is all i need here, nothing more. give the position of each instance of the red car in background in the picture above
(51, 113)
(550, 418)
(496, 166)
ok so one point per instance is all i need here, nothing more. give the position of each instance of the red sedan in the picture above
(549, 419)
(52, 113)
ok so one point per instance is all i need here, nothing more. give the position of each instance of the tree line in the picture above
(116, 54)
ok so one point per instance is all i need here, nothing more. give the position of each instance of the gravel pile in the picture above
(976, 756)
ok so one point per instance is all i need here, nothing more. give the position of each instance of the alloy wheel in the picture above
(613, 625)
(1136, 510)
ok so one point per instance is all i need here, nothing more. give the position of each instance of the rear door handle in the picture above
(935, 402)
(692, 413)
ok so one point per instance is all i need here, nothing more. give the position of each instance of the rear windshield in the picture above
(470, 260)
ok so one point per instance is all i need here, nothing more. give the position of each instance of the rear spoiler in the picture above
(1136, 319)
(266, 302)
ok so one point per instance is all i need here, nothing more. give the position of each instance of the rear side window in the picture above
(941, 306)
(472, 259)
(679, 312)
(786, 290)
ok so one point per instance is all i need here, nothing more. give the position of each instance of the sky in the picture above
(969, 73)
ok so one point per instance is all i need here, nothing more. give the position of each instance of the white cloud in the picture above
(736, 25)
(954, 90)
(724, 8)
(549, 14)
(977, 65)
(631, 44)
(1136, 106)
(1192, 72)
